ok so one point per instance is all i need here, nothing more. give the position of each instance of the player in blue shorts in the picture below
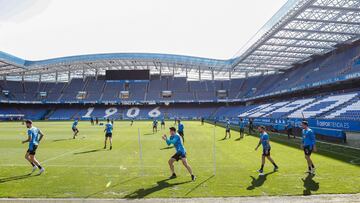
(108, 133)
(34, 138)
(155, 125)
(308, 145)
(265, 142)
(176, 140)
(181, 130)
(74, 127)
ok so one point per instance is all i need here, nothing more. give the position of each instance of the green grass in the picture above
(81, 168)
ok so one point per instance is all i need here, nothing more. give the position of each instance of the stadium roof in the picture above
(299, 30)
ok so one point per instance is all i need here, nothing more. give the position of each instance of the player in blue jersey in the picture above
(308, 145)
(155, 124)
(289, 128)
(176, 140)
(162, 123)
(242, 127)
(34, 138)
(74, 127)
(108, 133)
(265, 142)
(181, 130)
(227, 129)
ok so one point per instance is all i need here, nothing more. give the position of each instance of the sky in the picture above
(42, 29)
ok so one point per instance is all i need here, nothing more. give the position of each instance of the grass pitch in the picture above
(81, 168)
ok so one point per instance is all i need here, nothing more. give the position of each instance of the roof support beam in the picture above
(327, 21)
(296, 45)
(321, 32)
(334, 8)
(306, 39)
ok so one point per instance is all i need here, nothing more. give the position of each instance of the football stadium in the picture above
(279, 121)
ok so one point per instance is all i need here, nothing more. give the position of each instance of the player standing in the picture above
(131, 121)
(241, 126)
(180, 153)
(227, 129)
(265, 142)
(92, 121)
(162, 123)
(308, 145)
(74, 127)
(289, 128)
(155, 123)
(108, 133)
(251, 126)
(34, 138)
(202, 120)
(181, 130)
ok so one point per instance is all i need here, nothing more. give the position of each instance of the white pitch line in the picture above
(66, 153)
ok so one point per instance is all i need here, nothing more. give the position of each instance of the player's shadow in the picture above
(59, 140)
(238, 139)
(149, 133)
(310, 185)
(13, 178)
(258, 182)
(88, 151)
(111, 187)
(141, 193)
(164, 148)
(200, 184)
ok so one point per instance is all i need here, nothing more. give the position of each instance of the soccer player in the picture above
(74, 127)
(97, 121)
(112, 121)
(108, 133)
(202, 120)
(162, 123)
(92, 121)
(155, 123)
(265, 142)
(308, 145)
(251, 126)
(242, 126)
(181, 130)
(180, 153)
(289, 128)
(227, 129)
(131, 121)
(34, 138)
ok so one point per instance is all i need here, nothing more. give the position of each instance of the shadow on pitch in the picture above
(112, 186)
(171, 147)
(200, 184)
(310, 185)
(89, 151)
(258, 182)
(59, 140)
(19, 177)
(141, 193)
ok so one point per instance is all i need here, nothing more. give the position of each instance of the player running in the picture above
(227, 129)
(181, 130)
(74, 127)
(180, 153)
(155, 124)
(265, 142)
(308, 145)
(108, 133)
(34, 138)
(162, 123)
(242, 127)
